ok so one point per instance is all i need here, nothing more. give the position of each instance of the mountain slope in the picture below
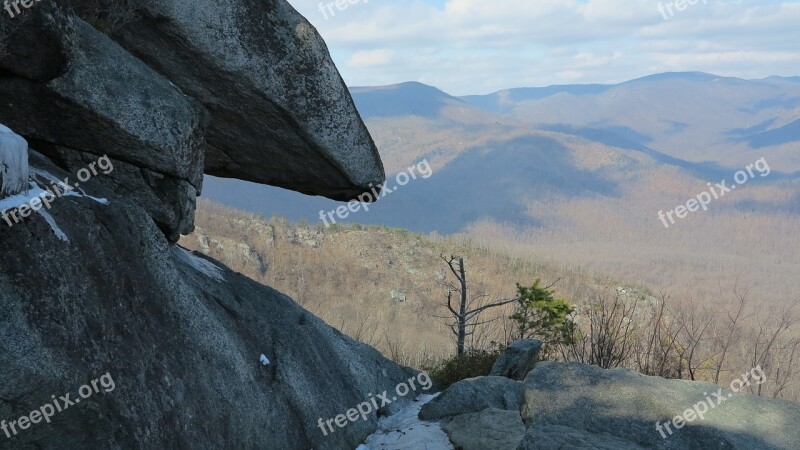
(580, 191)
(404, 99)
(682, 115)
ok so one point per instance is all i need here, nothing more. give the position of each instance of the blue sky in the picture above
(481, 46)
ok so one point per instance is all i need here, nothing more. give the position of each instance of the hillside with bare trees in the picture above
(388, 288)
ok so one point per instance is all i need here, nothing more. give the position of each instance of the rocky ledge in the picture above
(561, 405)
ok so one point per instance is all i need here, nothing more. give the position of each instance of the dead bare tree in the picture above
(665, 353)
(734, 319)
(466, 316)
(606, 339)
(694, 327)
(772, 352)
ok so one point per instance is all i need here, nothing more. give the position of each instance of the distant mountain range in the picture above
(404, 99)
(494, 154)
(693, 116)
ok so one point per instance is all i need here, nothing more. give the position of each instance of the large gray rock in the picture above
(100, 100)
(235, 88)
(491, 428)
(180, 335)
(627, 405)
(189, 354)
(557, 437)
(281, 114)
(518, 359)
(475, 395)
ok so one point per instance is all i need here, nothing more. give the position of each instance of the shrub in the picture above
(473, 363)
(539, 315)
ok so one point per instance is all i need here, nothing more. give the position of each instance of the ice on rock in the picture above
(14, 170)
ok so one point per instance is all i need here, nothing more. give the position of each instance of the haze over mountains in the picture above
(577, 174)
(492, 153)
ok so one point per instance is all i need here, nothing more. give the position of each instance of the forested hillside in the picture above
(387, 287)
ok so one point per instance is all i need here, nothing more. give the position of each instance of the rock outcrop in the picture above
(93, 289)
(101, 100)
(181, 336)
(475, 395)
(628, 406)
(280, 112)
(236, 88)
(488, 429)
(573, 405)
(518, 359)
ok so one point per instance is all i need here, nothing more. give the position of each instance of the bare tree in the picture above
(772, 352)
(734, 319)
(694, 327)
(466, 315)
(661, 353)
(606, 339)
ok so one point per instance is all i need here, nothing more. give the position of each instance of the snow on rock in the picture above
(35, 191)
(13, 162)
(67, 191)
(405, 431)
(201, 265)
(53, 225)
(17, 200)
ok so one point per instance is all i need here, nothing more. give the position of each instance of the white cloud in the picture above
(370, 58)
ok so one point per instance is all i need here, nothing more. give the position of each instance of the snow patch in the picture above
(35, 191)
(53, 225)
(68, 191)
(17, 200)
(405, 431)
(199, 264)
(14, 171)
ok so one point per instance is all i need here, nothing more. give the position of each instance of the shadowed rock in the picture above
(474, 395)
(628, 405)
(558, 437)
(93, 285)
(518, 359)
(491, 428)
(103, 101)
(180, 334)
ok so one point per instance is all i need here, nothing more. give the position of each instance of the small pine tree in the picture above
(539, 315)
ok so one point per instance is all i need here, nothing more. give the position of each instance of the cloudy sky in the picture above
(481, 46)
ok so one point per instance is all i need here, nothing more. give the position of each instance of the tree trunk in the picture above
(462, 312)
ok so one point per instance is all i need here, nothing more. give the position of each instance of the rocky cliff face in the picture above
(158, 347)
